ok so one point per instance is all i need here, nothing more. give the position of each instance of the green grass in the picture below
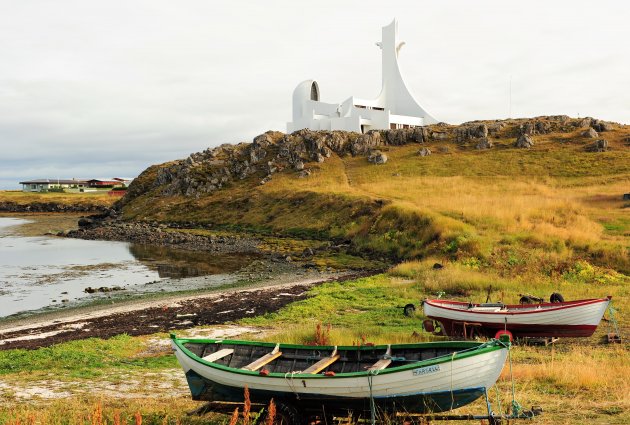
(88, 358)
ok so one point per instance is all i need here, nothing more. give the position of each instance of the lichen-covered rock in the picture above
(377, 157)
(524, 141)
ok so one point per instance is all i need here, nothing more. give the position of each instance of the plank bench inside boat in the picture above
(213, 357)
(384, 362)
(323, 363)
(267, 358)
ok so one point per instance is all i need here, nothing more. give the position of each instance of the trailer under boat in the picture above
(422, 378)
(578, 318)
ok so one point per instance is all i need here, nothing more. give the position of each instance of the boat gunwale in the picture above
(474, 349)
(549, 307)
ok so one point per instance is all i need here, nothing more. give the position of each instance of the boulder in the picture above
(439, 135)
(468, 132)
(377, 157)
(542, 127)
(600, 145)
(262, 141)
(424, 152)
(591, 133)
(524, 142)
(85, 222)
(299, 165)
(484, 143)
(304, 173)
(365, 143)
(602, 126)
(527, 129)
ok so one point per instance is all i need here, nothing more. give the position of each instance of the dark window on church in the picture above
(314, 93)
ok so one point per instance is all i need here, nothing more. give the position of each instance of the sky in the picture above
(92, 88)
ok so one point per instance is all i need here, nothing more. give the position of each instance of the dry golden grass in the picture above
(25, 198)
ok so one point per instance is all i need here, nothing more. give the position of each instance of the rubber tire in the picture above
(556, 297)
(409, 310)
(286, 414)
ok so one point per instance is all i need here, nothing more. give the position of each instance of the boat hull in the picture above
(435, 385)
(570, 319)
(203, 389)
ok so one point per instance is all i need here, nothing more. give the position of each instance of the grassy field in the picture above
(574, 381)
(27, 198)
(548, 219)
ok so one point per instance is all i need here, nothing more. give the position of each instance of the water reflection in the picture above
(41, 272)
(176, 263)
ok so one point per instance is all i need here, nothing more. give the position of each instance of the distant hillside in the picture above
(541, 193)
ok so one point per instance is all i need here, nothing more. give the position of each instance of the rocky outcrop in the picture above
(524, 142)
(214, 169)
(377, 157)
(161, 234)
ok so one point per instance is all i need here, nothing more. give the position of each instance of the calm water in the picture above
(50, 272)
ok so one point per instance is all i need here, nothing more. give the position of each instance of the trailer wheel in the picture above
(286, 414)
(556, 297)
(409, 310)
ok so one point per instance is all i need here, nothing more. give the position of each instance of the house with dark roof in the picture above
(46, 185)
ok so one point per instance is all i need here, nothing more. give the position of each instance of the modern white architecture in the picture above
(395, 107)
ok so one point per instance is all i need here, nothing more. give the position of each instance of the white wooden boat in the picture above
(425, 377)
(565, 319)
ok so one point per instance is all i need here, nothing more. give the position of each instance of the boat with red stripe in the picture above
(578, 318)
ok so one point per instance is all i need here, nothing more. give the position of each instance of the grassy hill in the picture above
(543, 208)
(539, 220)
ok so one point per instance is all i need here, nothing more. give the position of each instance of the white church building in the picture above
(395, 107)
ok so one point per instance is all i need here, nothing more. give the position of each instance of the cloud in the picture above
(108, 88)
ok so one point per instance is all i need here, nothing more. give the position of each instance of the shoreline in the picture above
(148, 316)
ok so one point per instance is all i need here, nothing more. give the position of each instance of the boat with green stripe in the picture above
(421, 377)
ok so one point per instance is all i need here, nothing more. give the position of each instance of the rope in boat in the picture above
(290, 383)
(496, 387)
(452, 395)
(612, 323)
(371, 374)
(516, 407)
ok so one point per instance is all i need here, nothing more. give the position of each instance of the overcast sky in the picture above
(106, 88)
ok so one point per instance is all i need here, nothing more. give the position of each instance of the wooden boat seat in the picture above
(267, 358)
(323, 363)
(213, 357)
(384, 362)
(486, 309)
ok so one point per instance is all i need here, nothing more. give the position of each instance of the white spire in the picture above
(394, 93)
